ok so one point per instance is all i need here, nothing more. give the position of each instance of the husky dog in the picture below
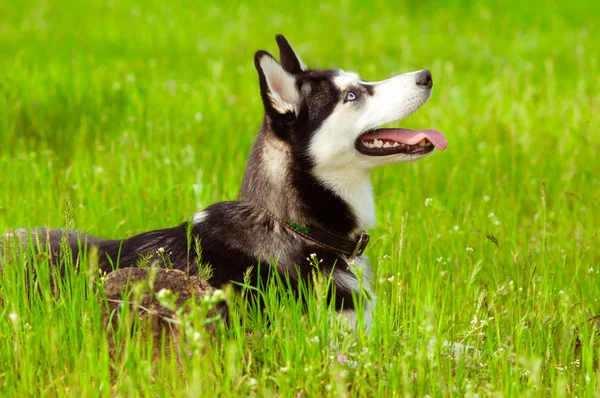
(306, 190)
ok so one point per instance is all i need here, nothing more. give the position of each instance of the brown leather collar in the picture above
(347, 247)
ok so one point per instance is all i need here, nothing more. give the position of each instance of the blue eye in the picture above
(351, 96)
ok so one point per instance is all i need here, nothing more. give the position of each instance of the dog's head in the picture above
(333, 116)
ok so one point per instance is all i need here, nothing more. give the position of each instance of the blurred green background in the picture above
(118, 117)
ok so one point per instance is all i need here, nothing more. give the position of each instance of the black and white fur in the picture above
(304, 167)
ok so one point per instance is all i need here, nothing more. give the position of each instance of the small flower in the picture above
(486, 198)
(14, 318)
(455, 228)
(218, 295)
(494, 219)
(163, 294)
(391, 278)
(428, 201)
(160, 250)
(590, 270)
(283, 369)
(342, 358)
(469, 249)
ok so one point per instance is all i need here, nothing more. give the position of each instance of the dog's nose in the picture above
(424, 79)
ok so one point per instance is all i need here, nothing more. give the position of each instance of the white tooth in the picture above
(429, 143)
(423, 143)
(370, 145)
(396, 144)
(387, 145)
(378, 144)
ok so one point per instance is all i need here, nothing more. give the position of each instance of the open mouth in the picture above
(392, 141)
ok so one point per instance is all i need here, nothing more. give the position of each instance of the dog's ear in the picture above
(277, 87)
(290, 61)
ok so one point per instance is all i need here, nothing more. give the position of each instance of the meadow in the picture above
(118, 117)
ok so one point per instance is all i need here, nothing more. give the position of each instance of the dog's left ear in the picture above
(278, 88)
(290, 61)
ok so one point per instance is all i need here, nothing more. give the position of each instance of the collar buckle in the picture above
(361, 245)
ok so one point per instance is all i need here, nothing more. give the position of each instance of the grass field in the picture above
(121, 117)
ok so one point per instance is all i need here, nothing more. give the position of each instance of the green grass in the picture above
(136, 115)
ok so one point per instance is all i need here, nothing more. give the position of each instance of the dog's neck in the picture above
(340, 200)
(266, 179)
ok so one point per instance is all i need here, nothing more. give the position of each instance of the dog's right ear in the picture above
(290, 61)
(277, 87)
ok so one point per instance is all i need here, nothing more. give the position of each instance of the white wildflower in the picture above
(218, 295)
(163, 294)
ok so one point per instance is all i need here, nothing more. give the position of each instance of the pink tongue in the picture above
(410, 137)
